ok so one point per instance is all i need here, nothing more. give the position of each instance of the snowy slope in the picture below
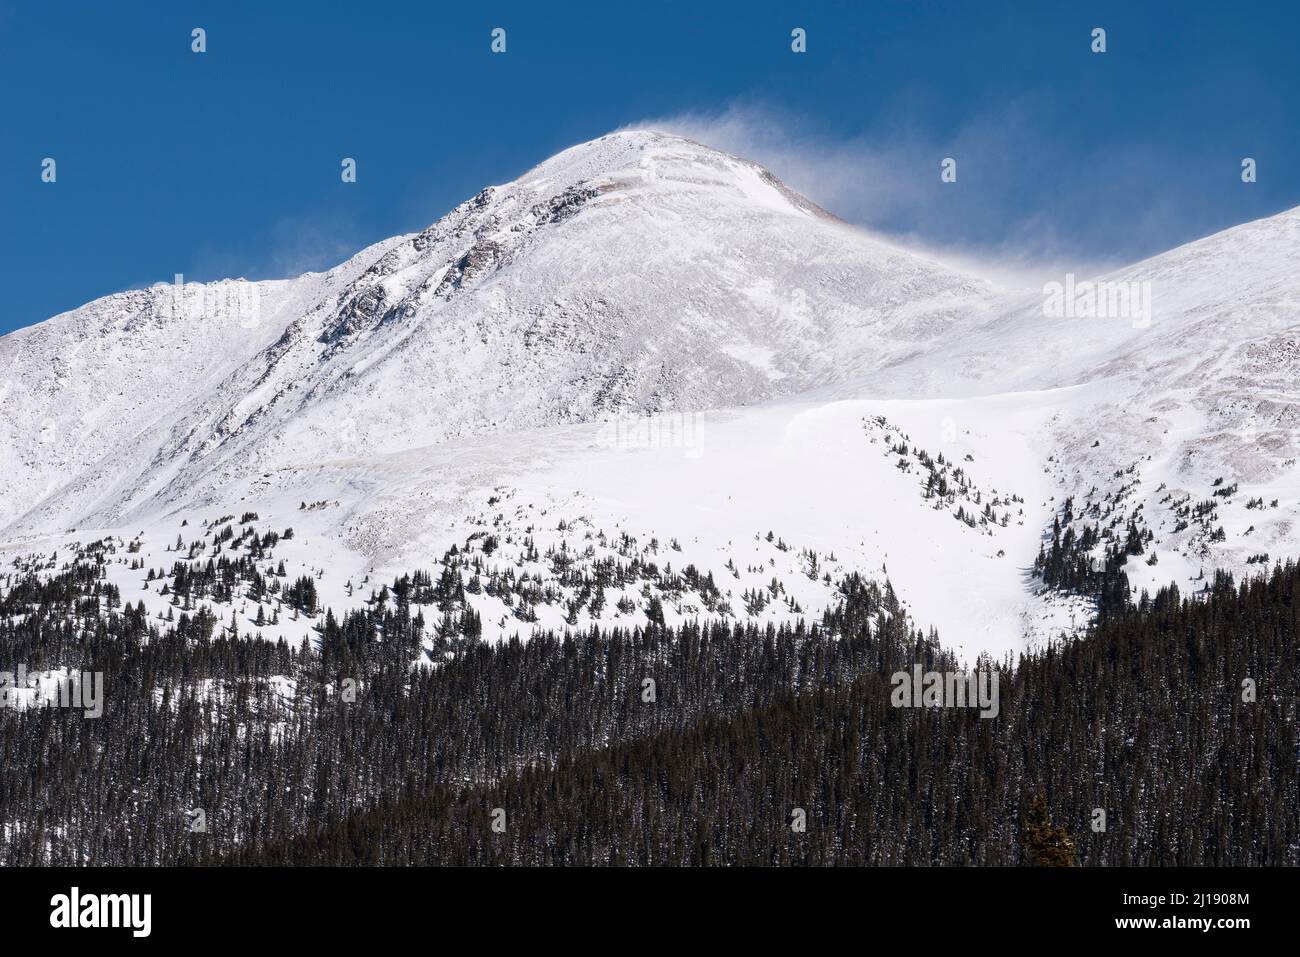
(96, 388)
(636, 272)
(797, 494)
(1178, 410)
(490, 377)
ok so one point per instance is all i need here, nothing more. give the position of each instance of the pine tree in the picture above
(1046, 846)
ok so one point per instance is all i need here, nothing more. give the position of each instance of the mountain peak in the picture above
(644, 162)
(638, 272)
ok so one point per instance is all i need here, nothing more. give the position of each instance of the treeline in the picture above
(1145, 722)
(271, 741)
(702, 744)
(1067, 563)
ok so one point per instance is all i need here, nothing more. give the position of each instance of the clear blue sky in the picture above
(227, 163)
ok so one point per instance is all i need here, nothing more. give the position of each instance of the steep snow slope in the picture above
(1196, 403)
(97, 388)
(1225, 291)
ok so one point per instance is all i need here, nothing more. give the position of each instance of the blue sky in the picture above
(226, 163)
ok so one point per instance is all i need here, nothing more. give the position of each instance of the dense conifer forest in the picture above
(705, 744)
(1145, 721)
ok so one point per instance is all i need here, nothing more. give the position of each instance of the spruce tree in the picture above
(1046, 846)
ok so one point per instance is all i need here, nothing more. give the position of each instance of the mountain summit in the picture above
(639, 272)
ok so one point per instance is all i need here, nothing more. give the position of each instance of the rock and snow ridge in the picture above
(799, 373)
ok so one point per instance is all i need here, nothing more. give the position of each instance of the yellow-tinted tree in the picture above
(1046, 846)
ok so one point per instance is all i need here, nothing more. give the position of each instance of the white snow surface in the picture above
(646, 337)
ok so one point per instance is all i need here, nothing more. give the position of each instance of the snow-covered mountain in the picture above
(636, 272)
(647, 339)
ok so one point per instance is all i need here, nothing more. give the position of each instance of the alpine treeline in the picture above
(1145, 722)
(1067, 563)
(705, 744)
